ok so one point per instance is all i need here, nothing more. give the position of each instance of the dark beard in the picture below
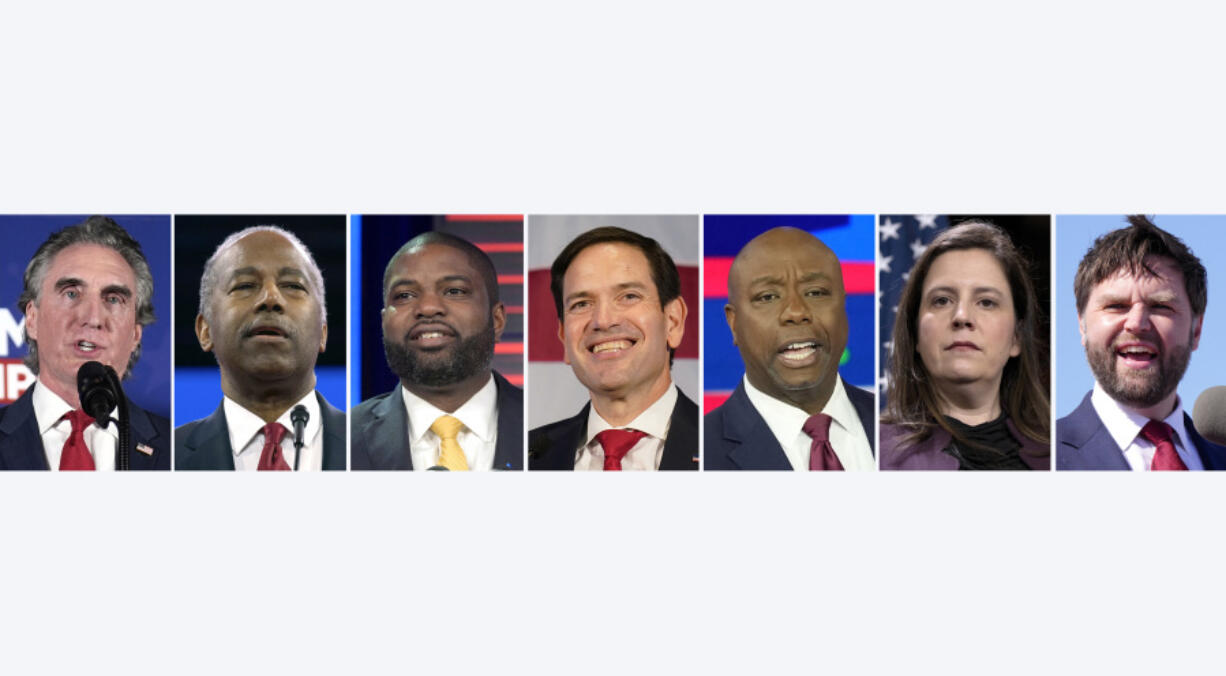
(1134, 392)
(469, 357)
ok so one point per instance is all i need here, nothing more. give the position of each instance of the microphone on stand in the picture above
(299, 417)
(100, 392)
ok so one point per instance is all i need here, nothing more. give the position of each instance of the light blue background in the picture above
(1074, 235)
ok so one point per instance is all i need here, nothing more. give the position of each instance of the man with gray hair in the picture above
(262, 314)
(87, 296)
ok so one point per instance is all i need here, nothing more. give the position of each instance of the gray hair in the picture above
(101, 231)
(208, 280)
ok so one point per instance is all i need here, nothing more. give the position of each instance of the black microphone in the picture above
(1209, 414)
(299, 417)
(98, 398)
(437, 468)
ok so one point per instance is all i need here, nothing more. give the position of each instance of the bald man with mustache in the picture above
(792, 411)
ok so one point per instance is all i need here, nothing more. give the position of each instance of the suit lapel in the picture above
(386, 434)
(681, 446)
(208, 444)
(332, 420)
(753, 444)
(509, 450)
(144, 432)
(1095, 449)
(20, 445)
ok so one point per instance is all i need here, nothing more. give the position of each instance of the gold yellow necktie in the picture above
(450, 455)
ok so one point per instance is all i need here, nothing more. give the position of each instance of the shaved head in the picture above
(767, 248)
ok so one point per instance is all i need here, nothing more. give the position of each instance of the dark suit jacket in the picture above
(22, 448)
(1083, 443)
(381, 430)
(205, 444)
(737, 437)
(553, 446)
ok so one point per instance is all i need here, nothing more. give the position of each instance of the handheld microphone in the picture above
(1209, 414)
(299, 417)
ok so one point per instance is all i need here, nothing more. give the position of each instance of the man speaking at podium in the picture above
(262, 314)
(87, 295)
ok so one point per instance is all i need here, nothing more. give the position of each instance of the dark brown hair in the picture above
(912, 400)
(1126, 249)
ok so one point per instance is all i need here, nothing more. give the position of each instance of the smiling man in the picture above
(441, 318)
(87, 295)
(262, 314)
(1141, 297)
(792, 411)
(620, 317)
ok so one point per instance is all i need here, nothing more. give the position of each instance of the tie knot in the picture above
(78, 419)
(274, 432)
(818, 427)
(446, 427)
(1156, 431)
(616, 443)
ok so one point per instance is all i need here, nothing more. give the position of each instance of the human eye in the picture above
(766, 297)
(458, 291)
(579, 306)
(72, 293)
(941, 301)
(242, 286)
(989, 303)
(115, 299)
(817, 292)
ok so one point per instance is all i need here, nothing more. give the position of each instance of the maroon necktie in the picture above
(1165, 458)
(616, 443)
(821, 453)
(75, 455)
(270, 457)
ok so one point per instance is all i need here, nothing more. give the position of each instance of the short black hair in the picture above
(479, 259)
(663, 270)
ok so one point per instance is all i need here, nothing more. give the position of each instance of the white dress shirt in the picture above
(646, 453)
(478, 438)
(1124, 426)
(247, 435)
(786, 422)
(49, 410)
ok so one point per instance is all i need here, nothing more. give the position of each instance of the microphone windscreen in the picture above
(1209, 414)
(94, 389)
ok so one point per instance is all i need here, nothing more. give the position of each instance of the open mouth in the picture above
(267, 332)
(431, 335)
(611, 348)
(799, 352)
(1136, 356)
(87, 346)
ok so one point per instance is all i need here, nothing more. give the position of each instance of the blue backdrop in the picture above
(1074, 235)
(149, 385)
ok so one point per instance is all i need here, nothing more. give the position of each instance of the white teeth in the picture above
(430, 334)
(611, 346)
(796, 355)
(86, 345)
(1136, 350)
(798, 346)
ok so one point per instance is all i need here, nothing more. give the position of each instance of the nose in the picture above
(1137, 319)
(794, 310)
(604, 316)
(93, 313)
(429, 304)
(271, 299)
(962, 316)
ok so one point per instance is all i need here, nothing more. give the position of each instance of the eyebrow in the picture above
(977, 289)
(617, 287)
(65, 282)
(117, 288)
(775, 279)
(409, 281)
(1155, 297)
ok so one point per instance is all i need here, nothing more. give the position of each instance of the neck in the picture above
(268, 400)
(811, 400)
(1159, 411)
(449, 397)
(68, 394)
(618, 409)
(970, 404)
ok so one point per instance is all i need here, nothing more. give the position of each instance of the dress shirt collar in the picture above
(479, 414)
(49, 410)
(245, 425)
(786, 420)
(1125, 425)
(654, 420)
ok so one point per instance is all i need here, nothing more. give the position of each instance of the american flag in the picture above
(901, 240)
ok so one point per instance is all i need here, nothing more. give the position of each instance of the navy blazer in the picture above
(381, 430)
(737, 437)
(553, 446)
(21, 447)
(1083, 443)
(205, 444)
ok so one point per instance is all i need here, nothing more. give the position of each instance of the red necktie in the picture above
(616, 443)
(821, 453)
(1165, 458)
(75, 455)
(270, 457)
